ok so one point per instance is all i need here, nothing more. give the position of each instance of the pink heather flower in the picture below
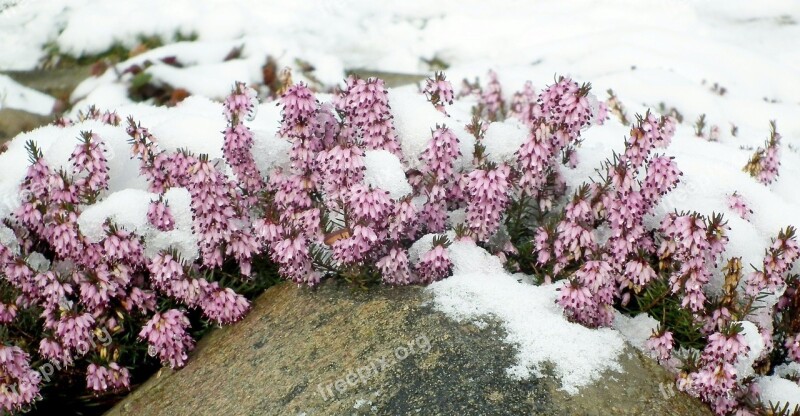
(164, 269)
(20, 384)
(64, 235)
(7, 313)
(141, 300)
(268, 230)
(487, 199)
(534, 159)
(661, 344)
(595, 278)
(602, 113)
(792, 345)
(62, 190)
(110, 118)
(75, 332)
(123, 246)
(369, 206)
(724, 347)
(404, 223)
(224, 306)
(713, 133)
(340, 168)
(649, 132)
(662, 176)
(394, 267)
(542, 243)
(89, 167)
(97, 286)
(93, 113)
(294, 258)
(523, 102)
(306, 222)
(366, 106)
(434, 264)
(242, 103)
(656, 132)
(291, 192)
(242, 245)
(737, 204)
(212, 209)
(714, 380)
(566, 105)
(434, 212)
(573, 241)
(52, 350)
(354, 248)
(492, 98)
(107, 378)
(439, 91)
(639, 272)
(764, 163)
(574, 298)
(167, 337)
(159, 215)
(51, 288)
(299, 108)
(298, 125)
(440, 155)
(718, 320)
(326, 126)
(778, 261)
(237, 145)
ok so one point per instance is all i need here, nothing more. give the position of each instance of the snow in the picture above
(533, 322)
(414, 120)
(19, 97)
(212, 80)
(384, 171)
(503, 139)
(787, 370)
(753, 339)
(128, 210)
(776, 390)
(636, 330)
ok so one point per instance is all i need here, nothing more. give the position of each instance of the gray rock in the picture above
(388, 353)
(57, 82)
(390, 79)
(13, 122)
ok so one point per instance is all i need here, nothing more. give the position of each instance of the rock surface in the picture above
(58, 83)
(387, 352)
(13, 122)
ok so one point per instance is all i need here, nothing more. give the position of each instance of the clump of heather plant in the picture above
(318, 217)
(439, 91)
(83, 287)
(764, 163)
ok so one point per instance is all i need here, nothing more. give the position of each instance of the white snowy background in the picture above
(648, 52)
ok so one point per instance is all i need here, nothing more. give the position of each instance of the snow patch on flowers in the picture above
(636, 330)
(503, 139)
(479, 287)
(384, 171)
(128, 209)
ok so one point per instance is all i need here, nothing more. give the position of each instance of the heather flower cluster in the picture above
(319, 216)
(764, 163)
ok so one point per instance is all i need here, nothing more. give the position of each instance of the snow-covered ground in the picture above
(19, 97)
(648, 52)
